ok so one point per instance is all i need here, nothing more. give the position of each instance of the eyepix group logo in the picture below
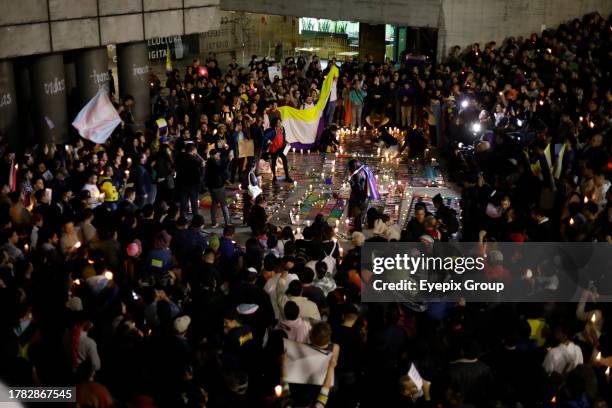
(529, 272)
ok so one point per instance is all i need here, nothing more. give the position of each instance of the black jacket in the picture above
(215, 174)
(188, 171)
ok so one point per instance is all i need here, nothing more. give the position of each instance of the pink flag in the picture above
(97, 120)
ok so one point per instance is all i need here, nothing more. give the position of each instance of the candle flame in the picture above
(278, 391)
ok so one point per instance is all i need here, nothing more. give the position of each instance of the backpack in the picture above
(330, 260)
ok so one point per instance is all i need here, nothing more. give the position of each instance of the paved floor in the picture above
(321, 186)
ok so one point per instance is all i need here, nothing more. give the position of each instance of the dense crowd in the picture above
(110, 278)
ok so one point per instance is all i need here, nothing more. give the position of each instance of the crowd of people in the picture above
(111, 280)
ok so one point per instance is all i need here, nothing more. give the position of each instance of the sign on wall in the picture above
(158, 47)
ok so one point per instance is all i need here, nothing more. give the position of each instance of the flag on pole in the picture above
(302, 127)
(97, 120)
(168, 59)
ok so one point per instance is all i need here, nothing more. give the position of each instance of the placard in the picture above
(305, 364)
(246, 148)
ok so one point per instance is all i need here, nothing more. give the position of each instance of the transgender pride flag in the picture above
(304, 126)
(97, 120)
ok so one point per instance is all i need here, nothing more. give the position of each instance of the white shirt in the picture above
(270, 288)
(94, 194)
(334, 90)
(563, 358)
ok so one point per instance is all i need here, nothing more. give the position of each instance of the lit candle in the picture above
(594, 318)
(301, 151)
(26, 248)
(341, 250)
(108, 275)
(278, 391)
(77, 282)
(77, 245)
(598, 356)
(337, 222)
(129, 161)
(347, 221)
(571, 221)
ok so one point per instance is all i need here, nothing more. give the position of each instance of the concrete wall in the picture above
(421, 13)
(464, 22)
(42, 26)
(242, 34)
(460, 22)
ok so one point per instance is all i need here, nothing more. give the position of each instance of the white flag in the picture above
(97, 120)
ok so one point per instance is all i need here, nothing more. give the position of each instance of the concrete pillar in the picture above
(48, 83)
(9, 116)
(92, 72)
(25, 105)
(372, 41)
(133, 72)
